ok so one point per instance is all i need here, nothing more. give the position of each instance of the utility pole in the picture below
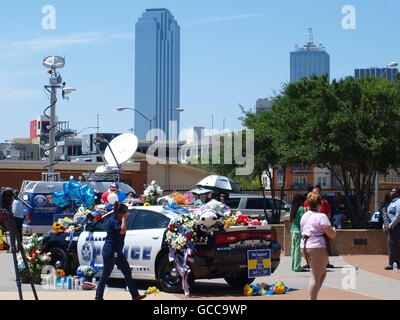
(55, 82)
(52, 134)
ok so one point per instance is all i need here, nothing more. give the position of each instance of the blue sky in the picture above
(232, 52)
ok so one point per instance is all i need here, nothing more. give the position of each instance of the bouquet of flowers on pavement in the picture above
(152, 193)
(35, 257)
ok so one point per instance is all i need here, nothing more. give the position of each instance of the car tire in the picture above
(239, 281)
(169, 282)
(59, 254)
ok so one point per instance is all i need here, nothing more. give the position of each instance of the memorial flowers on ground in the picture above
(36, 258)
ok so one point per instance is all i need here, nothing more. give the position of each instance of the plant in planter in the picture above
(36, 259)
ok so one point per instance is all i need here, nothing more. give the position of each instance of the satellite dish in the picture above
(54, 62)
(120, 149)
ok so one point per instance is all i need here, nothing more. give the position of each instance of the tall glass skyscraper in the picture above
(309, 60)
(157, 72)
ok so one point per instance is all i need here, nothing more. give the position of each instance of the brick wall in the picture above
(347, 242)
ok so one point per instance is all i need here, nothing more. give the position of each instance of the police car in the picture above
(224, 255)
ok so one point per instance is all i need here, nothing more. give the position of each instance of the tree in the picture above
(350, 124)
(266, 158)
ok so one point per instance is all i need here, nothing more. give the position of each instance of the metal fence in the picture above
(288, 193)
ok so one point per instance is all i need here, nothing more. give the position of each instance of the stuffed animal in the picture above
(208, 218)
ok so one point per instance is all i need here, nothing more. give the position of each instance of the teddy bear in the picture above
(208, 218)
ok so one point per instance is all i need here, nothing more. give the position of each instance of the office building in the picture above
(309, 60)
(157, 73)
(388, 73)
(263, 104)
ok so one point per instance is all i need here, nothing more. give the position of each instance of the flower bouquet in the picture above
(151, 290)
(36, 259)
(181, 231)
(152, 193)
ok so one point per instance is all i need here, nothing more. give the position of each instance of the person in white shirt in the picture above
(19, 215)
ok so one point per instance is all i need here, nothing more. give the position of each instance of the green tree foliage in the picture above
(350, 124)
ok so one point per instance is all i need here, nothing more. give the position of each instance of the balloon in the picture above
(74, 190)
(112, 198)
(121, 195)
(88, 198)
(104, 196)
(59, 200)
(84, 189)
(66, 188)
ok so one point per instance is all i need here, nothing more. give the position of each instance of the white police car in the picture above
(223, 256)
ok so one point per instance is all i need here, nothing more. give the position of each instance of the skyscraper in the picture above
(308, 60)
(263, 104)
(157, 72)
(388, 73)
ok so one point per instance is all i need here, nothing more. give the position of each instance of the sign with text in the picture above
(259, 263)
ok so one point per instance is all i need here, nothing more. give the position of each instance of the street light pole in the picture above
(150, 120)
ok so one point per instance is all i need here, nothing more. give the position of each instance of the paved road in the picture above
(342, 283)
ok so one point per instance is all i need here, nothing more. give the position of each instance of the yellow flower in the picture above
(152, 290)
(146, 204)
(247, 290)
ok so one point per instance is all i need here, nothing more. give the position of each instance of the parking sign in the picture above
(259, 263)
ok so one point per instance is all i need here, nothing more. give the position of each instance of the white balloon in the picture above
(112, 198)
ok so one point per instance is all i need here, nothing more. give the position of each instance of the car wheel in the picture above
(60, 259)
(168, 276)
(239, 281)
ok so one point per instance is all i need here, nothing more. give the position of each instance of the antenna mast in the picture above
(310, 36)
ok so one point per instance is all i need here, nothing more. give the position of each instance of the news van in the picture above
(44, 213)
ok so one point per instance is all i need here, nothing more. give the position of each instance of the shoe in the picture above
(139, 297)
(389, 267)
(330, 266)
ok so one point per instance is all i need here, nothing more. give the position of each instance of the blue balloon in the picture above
(88, 198)
(66, 188)
(74, 191)
(121, 195)
(84, 189)
(59, 199)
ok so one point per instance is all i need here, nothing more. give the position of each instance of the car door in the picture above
(91, 242)
(143, 241)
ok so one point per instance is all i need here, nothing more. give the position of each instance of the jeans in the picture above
(394, 245)
(109, 260)
(338, 219)
(18, 224)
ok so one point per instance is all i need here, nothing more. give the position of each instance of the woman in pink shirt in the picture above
(315, 227)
